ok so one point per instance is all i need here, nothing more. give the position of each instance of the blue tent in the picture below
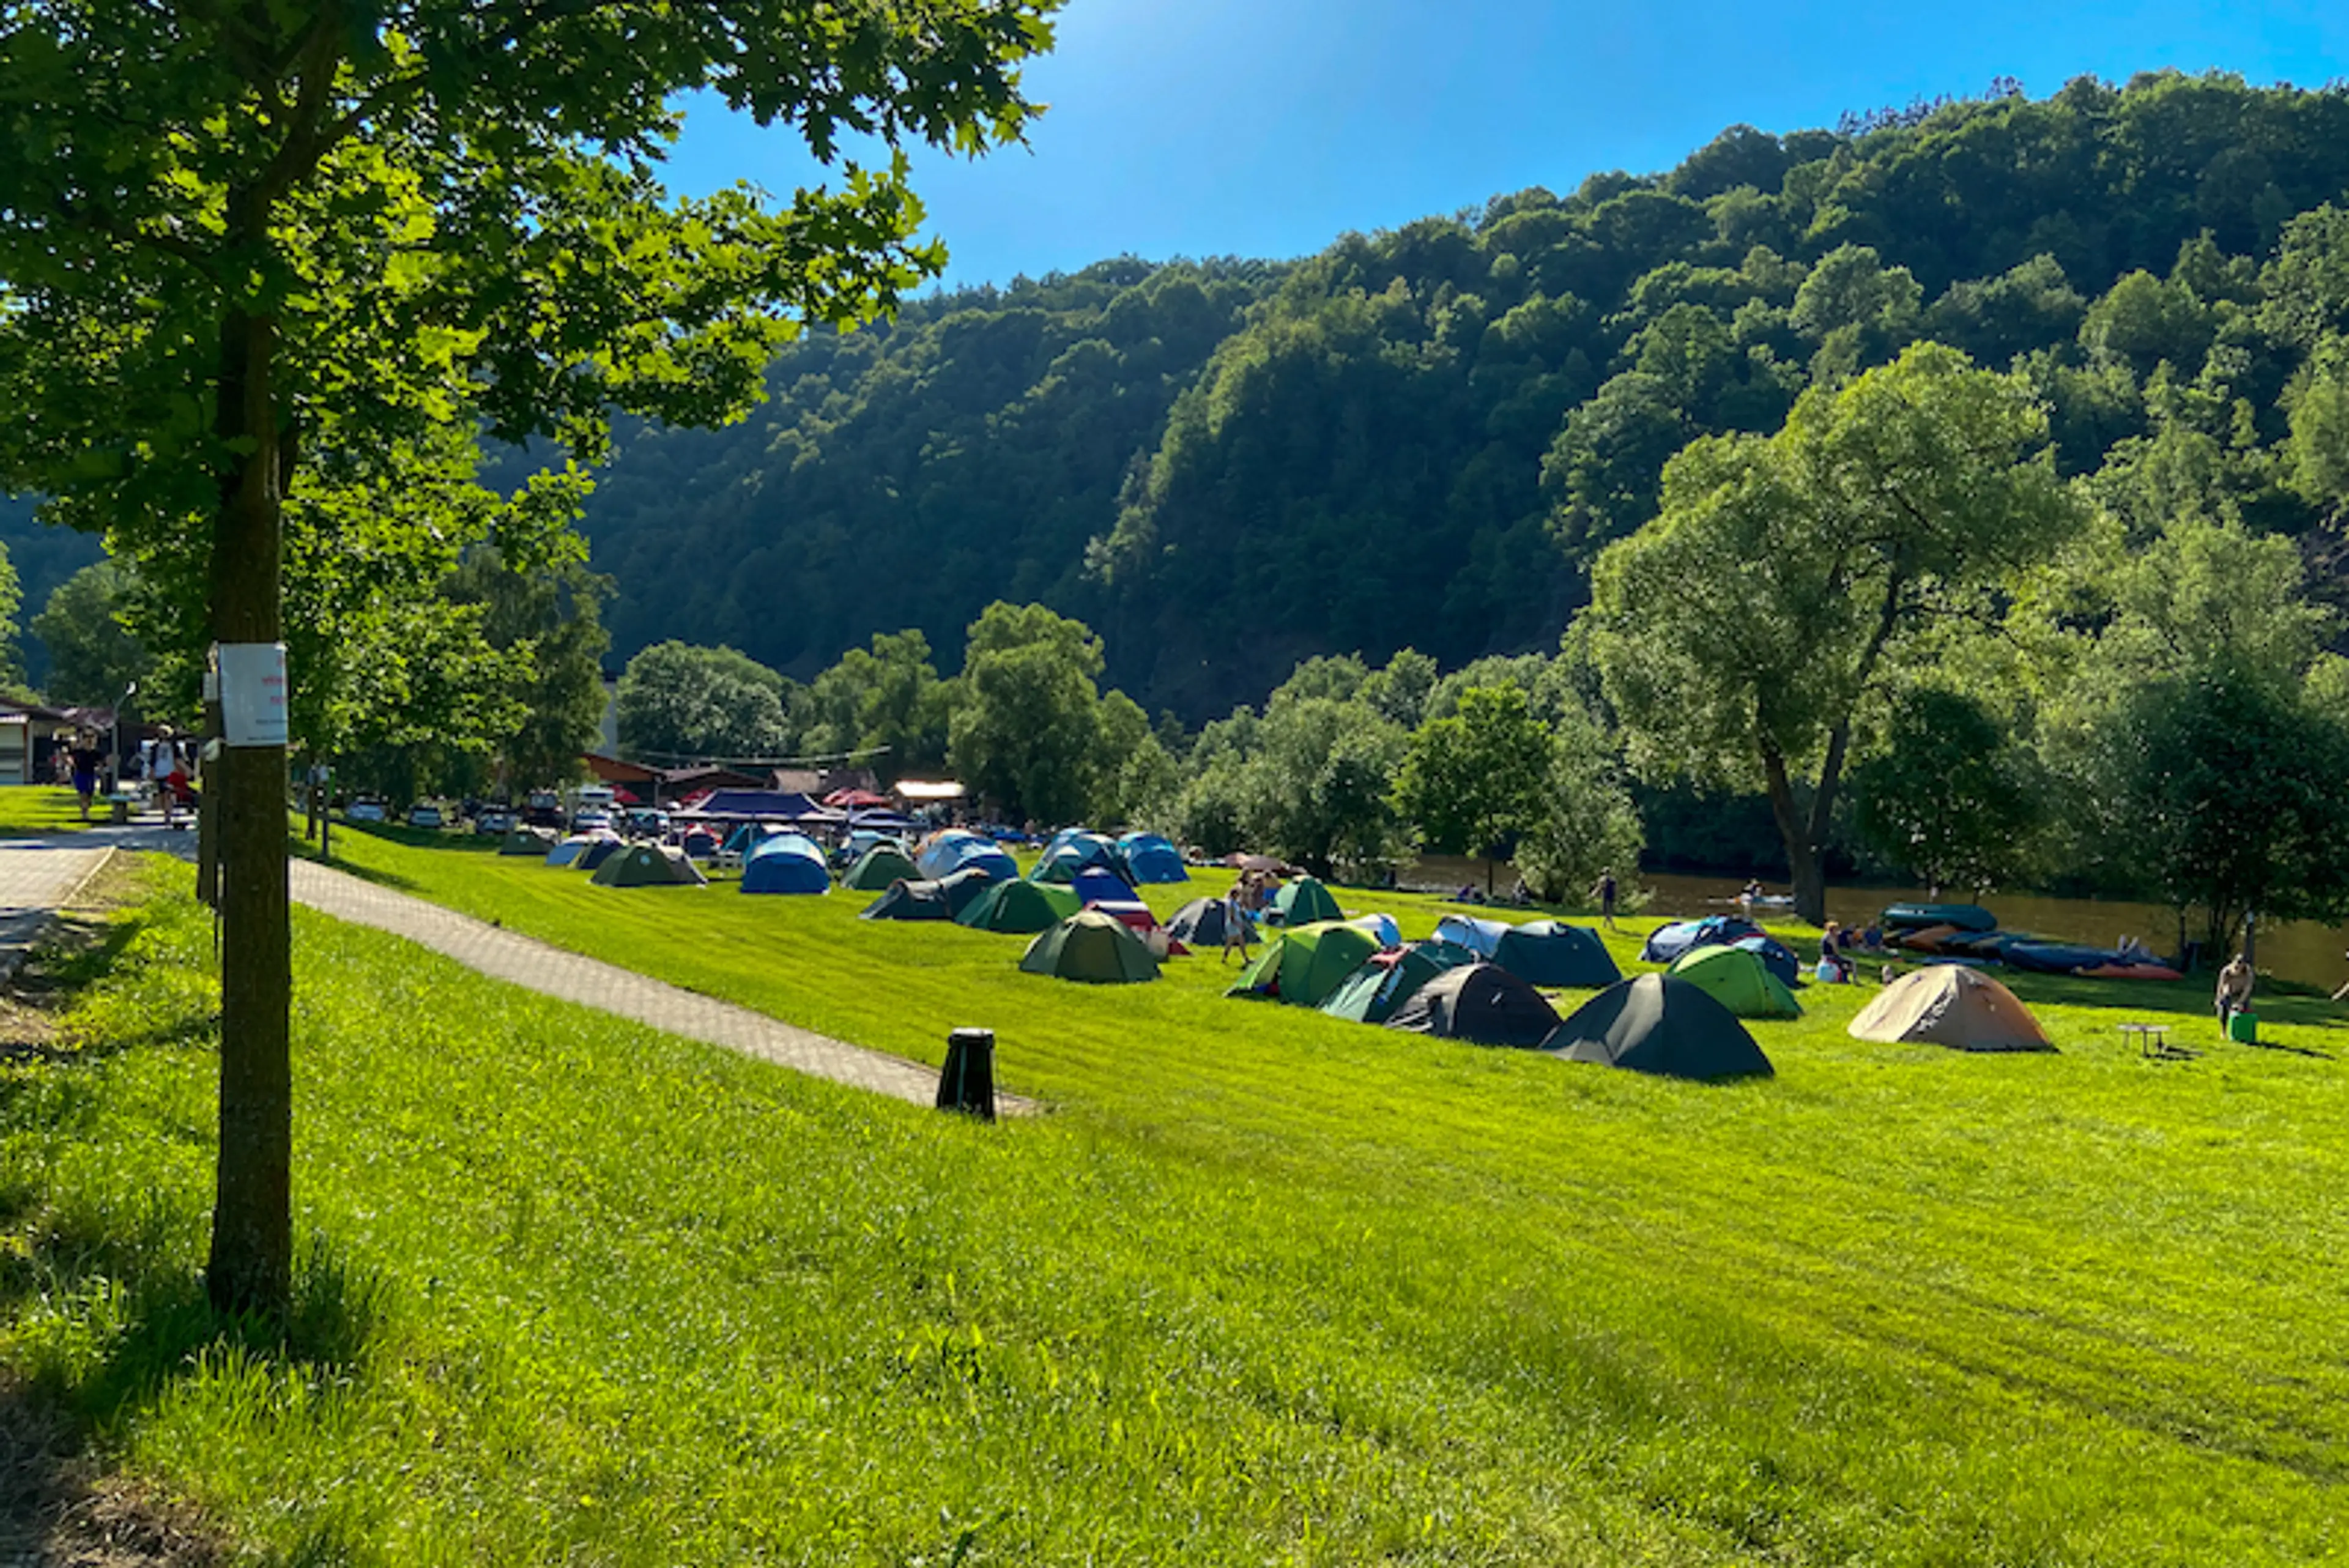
(1668, 942)
(786, 863)
(1071, 853)
(1775, 956)
(743, 838)
(1100, 885)
(1150, 858)
(944, 852)
(984, 857)
(1482, 938)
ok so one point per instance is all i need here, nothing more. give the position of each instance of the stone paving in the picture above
(38, 874)
(38, 877)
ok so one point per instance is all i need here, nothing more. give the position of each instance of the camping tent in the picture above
(786, 863)
(1949, 1004)
(1200, 923)
(938, 852)
(1479, 937)
(698, 844)
(1775, 956)
(956, 850)
(592, 856)
(1738, 980)
(572, 850)
(1548, 952)
(878, 866)
(527, 841)
(1100, 885)
(1666, 943)
(1657, 1023)
(1303, 964)
(1019, 906)
(1382, 926)
(1150, 858)
(1090, 945)
(1070, 853)
(648, 865)
(1304, 901)
(909, 900)
(1480, 1002)
(1372, 993)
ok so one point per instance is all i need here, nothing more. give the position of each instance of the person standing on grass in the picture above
(1604, 891)
(2235, 983)
(1235, 920)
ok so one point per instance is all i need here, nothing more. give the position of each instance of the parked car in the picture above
(647, 822)
(424, 813)
(543, 809)
(493, 820)
(590, 819)
(366, 809)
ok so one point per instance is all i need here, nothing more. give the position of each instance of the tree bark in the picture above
(1806, 873)
(208, 813)
(251, 1267)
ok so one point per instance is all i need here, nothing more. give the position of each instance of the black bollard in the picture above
(967, 1082)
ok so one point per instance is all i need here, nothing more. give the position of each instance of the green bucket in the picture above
(2243, 1028)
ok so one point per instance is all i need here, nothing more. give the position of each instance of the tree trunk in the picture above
(251, 1268)
(1806, 873)
(208, 811)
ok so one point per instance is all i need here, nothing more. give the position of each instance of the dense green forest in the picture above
(1423, 438)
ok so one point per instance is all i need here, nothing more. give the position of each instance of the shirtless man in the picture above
(2234, 993)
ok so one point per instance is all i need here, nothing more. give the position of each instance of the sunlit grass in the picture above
(1266, 1287)
(29, 810)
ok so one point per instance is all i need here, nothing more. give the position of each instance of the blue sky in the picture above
(1267, 128)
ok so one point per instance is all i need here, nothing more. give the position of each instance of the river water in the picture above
(2297, 950)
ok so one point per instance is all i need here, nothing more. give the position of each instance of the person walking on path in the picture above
(85, 759)
(1604, 891)
(2234, 994)
(167, 775)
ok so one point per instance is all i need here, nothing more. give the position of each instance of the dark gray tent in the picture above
(1655, 1023)
(909, 900)
(591, 858)
(1200, 923)
(1372, 993)
(648, 865)
(1480, 1002)
(1548, 952)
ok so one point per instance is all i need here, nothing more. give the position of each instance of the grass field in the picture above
(28, 810)
(1266, 1287)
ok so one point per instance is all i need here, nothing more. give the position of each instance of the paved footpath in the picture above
(519, 959)
(40, 877)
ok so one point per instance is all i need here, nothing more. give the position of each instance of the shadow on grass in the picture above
(60, 1505)
(104, 1306)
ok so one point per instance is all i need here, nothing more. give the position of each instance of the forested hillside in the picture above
(1422, 438)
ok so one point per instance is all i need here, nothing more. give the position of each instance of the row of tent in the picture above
(1136, 860)
(1655, 1023)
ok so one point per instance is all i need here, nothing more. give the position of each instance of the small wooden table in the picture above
(2152, 1039)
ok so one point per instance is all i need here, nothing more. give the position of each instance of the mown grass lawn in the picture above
(1265, 1287)
(28, 811)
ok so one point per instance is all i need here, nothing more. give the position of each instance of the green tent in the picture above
(1550, 952)
(1302, 966)
(1657, 1024)
(878, 867)
(1738, 980)
(527, 841)
(648, 865)
(1372, 993)
(1020, 906)
(1093, 947)
(1304, 901)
